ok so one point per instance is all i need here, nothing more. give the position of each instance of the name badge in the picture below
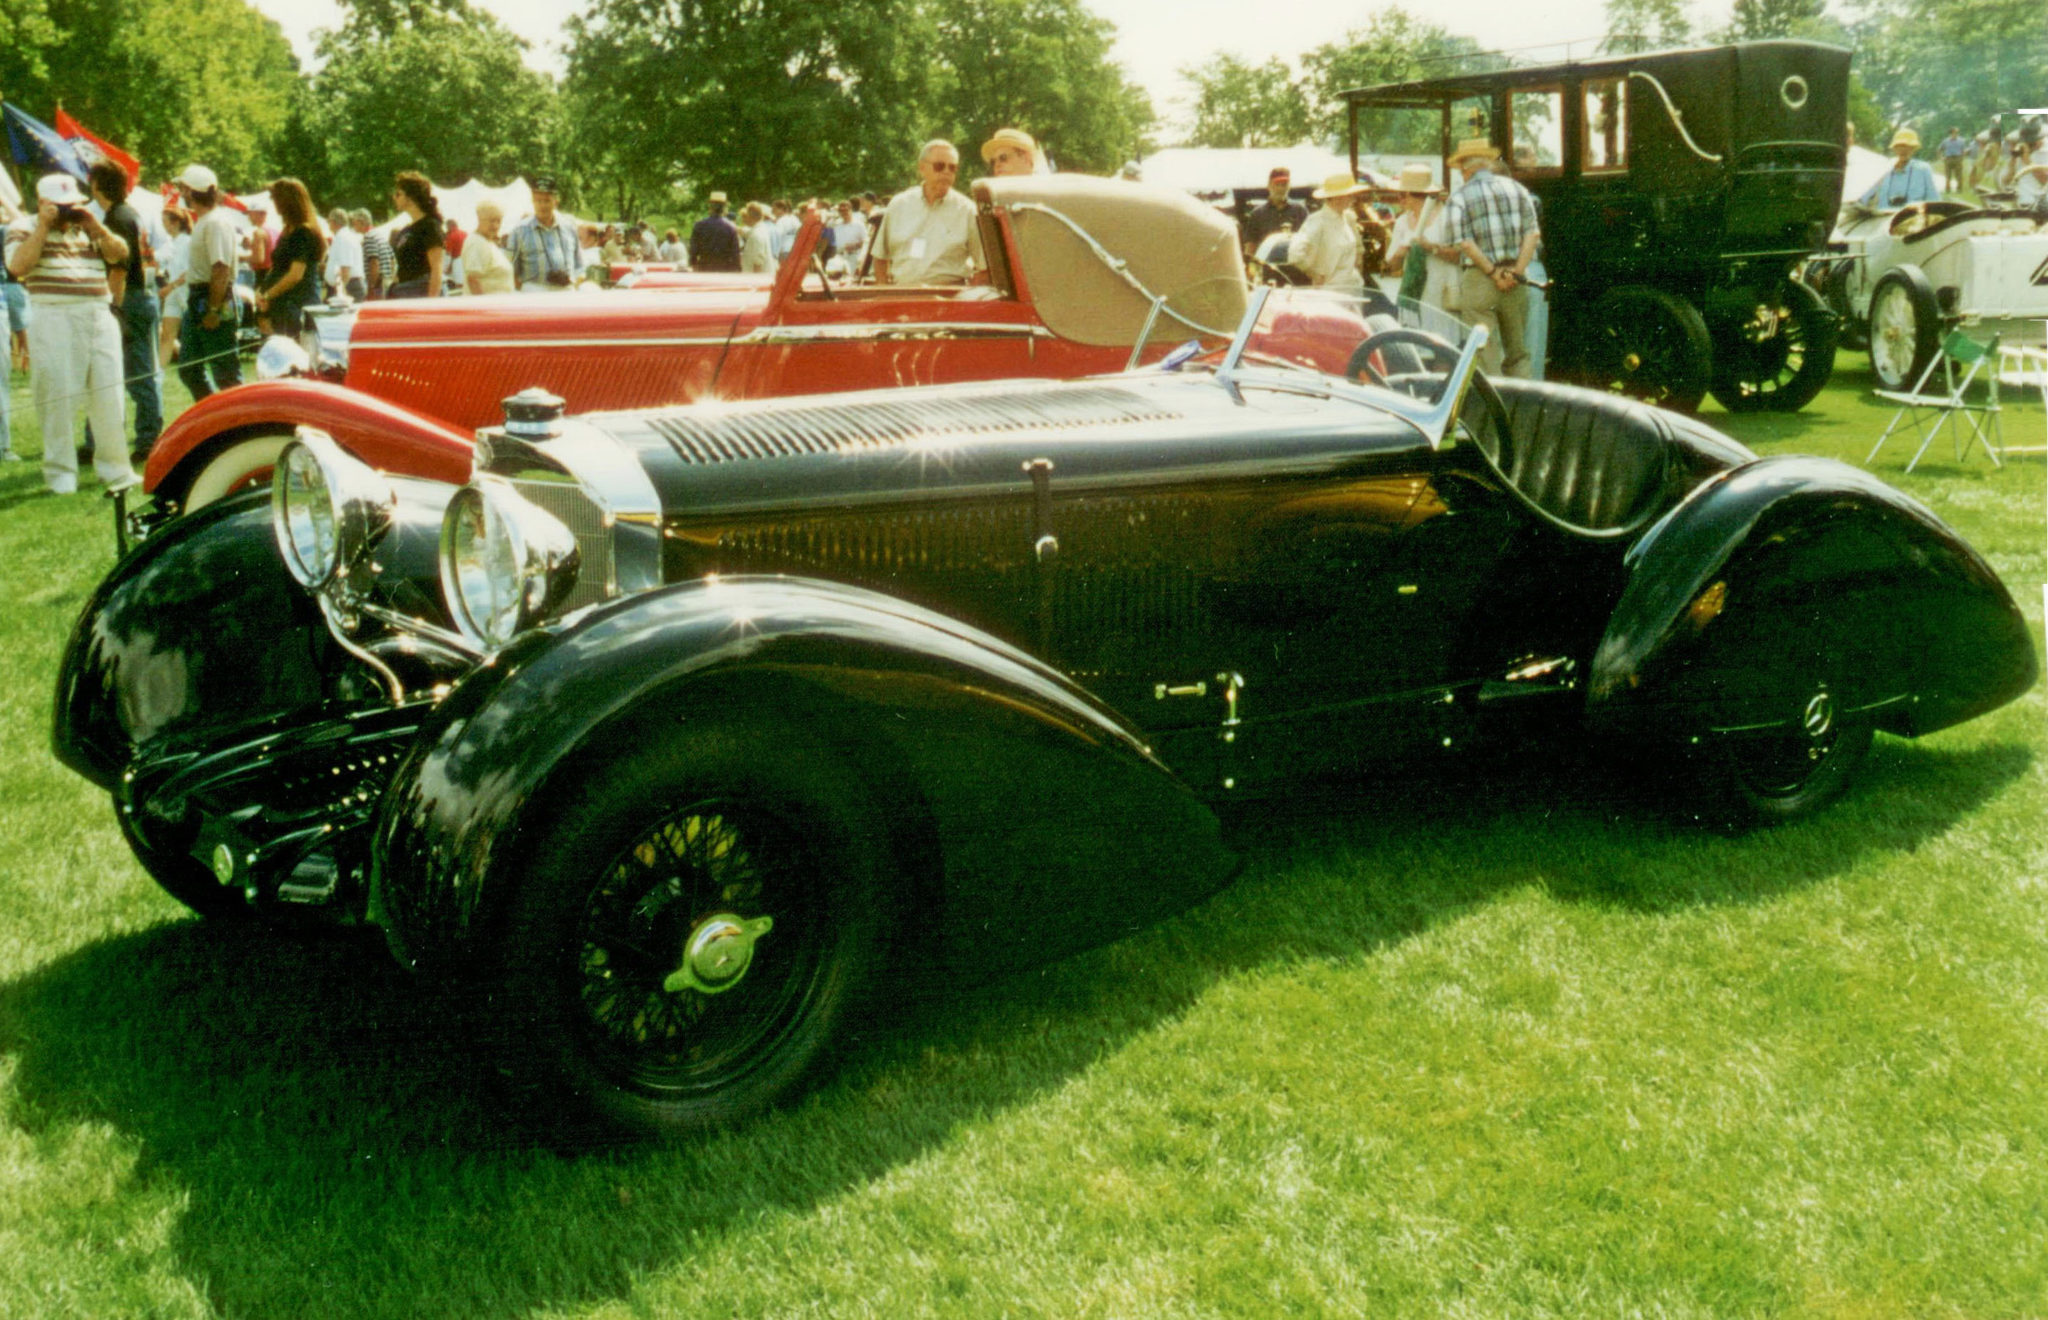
(917, 249)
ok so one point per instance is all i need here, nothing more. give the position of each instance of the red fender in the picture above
(382, 434)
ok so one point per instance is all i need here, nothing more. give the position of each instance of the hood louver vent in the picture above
(811, 428)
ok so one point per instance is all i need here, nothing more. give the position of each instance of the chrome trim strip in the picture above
(414, 626)
(891, 332)
(654, 342)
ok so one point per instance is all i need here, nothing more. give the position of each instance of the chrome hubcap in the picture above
(1818, 720)
(718, 953)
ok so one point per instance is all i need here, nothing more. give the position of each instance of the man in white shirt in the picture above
(928, 233)
(344, 272)
(206, 340)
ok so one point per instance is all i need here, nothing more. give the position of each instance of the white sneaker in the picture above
(126, 481)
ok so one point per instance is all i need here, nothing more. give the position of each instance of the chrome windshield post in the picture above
(1145, 332)
(1437, 421)
(1243, 335)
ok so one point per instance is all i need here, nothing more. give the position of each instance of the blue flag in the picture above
(36, 145)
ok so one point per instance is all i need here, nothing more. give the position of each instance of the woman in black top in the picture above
(419, 245)
(293, 279)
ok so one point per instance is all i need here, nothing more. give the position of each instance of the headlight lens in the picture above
(328, 509)
(504, 563)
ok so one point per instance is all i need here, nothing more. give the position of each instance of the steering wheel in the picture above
(1361, 367)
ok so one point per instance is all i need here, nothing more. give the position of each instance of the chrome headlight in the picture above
(328, 508)
(504, 562)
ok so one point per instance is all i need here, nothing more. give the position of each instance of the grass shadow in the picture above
(327, 1120)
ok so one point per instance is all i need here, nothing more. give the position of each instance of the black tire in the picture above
(185, 879)
(1905, 327)
(1773, 778)
(645, 858)
(1774, 355)
(1650, 345)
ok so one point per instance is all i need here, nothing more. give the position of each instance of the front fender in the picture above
(382, 434)
(200, 629)
(1793, 572)
(1046, 822)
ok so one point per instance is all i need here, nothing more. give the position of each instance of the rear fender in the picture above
(382, 434)
(1793, 573)
(1029, 820)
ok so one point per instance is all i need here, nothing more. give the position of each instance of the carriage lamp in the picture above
(328, 508)
(505, 563)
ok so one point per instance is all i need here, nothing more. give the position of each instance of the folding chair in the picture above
(1952, 407)
(2024, 367)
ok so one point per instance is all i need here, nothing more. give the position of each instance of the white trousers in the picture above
(74, 352)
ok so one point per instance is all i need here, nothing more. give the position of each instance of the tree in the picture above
(1933, 63)
(754, 97)
(1754, 20)
(1044, 66)
(208, 80)
(446, 91)
(1393, 47)
(1241, 105)
(1634, 26)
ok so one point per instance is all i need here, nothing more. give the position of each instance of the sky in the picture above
(1156, 38)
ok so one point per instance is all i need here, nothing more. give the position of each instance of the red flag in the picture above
(71, 129)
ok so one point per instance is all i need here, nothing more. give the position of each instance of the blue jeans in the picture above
(139, 316)
(197, 344)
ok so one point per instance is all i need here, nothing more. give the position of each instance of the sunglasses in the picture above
(945, 166)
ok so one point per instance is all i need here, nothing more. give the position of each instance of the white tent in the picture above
(1211, 173)
(1864, 168)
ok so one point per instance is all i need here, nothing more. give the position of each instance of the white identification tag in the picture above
(917, 249)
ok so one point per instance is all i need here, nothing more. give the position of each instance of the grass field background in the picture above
(1498, 1041)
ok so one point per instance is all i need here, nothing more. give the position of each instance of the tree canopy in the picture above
(208, 80)
(443, 89)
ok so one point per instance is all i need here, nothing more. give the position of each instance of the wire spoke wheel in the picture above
(681, 899)
(1905, 327)
(1775, 354)
(1650, 345)
(691, 929)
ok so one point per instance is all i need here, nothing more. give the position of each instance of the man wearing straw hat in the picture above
(1326, 249)
(1493, 226)
(1010, 151)
(1907, 181)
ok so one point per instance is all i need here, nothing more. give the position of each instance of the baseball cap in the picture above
(60, 189)
(545, 183)
(198, 178)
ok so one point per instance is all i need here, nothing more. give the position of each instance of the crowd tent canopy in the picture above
(1215, 173)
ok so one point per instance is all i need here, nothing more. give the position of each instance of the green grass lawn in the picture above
(1495, 1042)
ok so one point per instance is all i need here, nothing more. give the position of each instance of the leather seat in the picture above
(1596, 462)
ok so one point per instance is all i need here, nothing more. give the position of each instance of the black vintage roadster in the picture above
(674, 730)
(1680, 190)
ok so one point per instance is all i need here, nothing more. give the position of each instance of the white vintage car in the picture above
(1900, 280)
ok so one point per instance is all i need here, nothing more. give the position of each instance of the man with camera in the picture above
(61, 255)
(544, 252)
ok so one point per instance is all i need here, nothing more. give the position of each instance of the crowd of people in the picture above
(1465, 254)
(180, 288)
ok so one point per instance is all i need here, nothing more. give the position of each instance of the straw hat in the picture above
(1905, 137)
(1471, 147)
(1015, 138)
(1338, 185)
(1417, 179)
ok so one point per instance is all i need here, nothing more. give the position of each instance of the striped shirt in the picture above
(1494, 213)
(377, 253)
(538, 251)
(70, 269)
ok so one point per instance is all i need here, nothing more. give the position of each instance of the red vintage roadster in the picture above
(1084, 276)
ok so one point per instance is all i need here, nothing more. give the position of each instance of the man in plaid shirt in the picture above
(1493, 226)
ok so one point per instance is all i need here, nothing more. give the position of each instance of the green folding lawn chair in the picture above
(1960, 360)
